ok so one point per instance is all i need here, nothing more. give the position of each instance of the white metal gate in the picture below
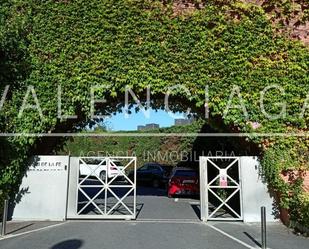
(103, 188)
(220, 186)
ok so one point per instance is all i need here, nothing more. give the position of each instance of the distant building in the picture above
(183, 121)
(140, 127)
(148, 127)
(152, 126)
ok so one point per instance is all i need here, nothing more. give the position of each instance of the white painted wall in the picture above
(254, 192)
(44, 190)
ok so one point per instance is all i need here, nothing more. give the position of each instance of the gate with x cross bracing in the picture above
(221, 189)
(99, 188)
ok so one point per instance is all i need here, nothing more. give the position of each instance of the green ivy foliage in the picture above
(288, 157)
(165, 150)
(296, 11)
(79, 44)
(132, 43)
(170, 150)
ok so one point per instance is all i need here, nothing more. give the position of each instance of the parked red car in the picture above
(183, 181)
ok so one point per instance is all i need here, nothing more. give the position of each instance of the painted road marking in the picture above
(231, 237)
(9, 236)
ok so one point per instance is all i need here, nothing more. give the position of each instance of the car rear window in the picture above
(185, 173)
(167, 168)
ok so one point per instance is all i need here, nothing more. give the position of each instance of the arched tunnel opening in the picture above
(63, 72)
(162, 154)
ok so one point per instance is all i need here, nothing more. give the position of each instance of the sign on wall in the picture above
(223, 178)
(43, 192)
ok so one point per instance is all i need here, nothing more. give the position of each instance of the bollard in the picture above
(263, 227)
(5, 217)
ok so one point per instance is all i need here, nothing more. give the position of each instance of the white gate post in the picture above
(203, 191)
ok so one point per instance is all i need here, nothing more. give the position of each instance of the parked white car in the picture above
(100, 171)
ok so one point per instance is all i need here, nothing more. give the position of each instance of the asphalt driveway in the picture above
(154, 204)
(154, 235)
(162, 223)
(128, 235)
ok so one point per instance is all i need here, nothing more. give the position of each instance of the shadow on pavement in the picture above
(253, 239)
(139, 207)
(196, 209)
(20, 228)
(68, 244)
(150, 191)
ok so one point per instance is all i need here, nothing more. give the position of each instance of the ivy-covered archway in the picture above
(73, 47)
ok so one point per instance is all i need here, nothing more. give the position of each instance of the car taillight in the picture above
(113, 168)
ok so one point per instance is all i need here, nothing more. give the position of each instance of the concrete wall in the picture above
(43, 192)
(254, 191)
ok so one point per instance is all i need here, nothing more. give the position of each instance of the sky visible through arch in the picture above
(119, 122)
